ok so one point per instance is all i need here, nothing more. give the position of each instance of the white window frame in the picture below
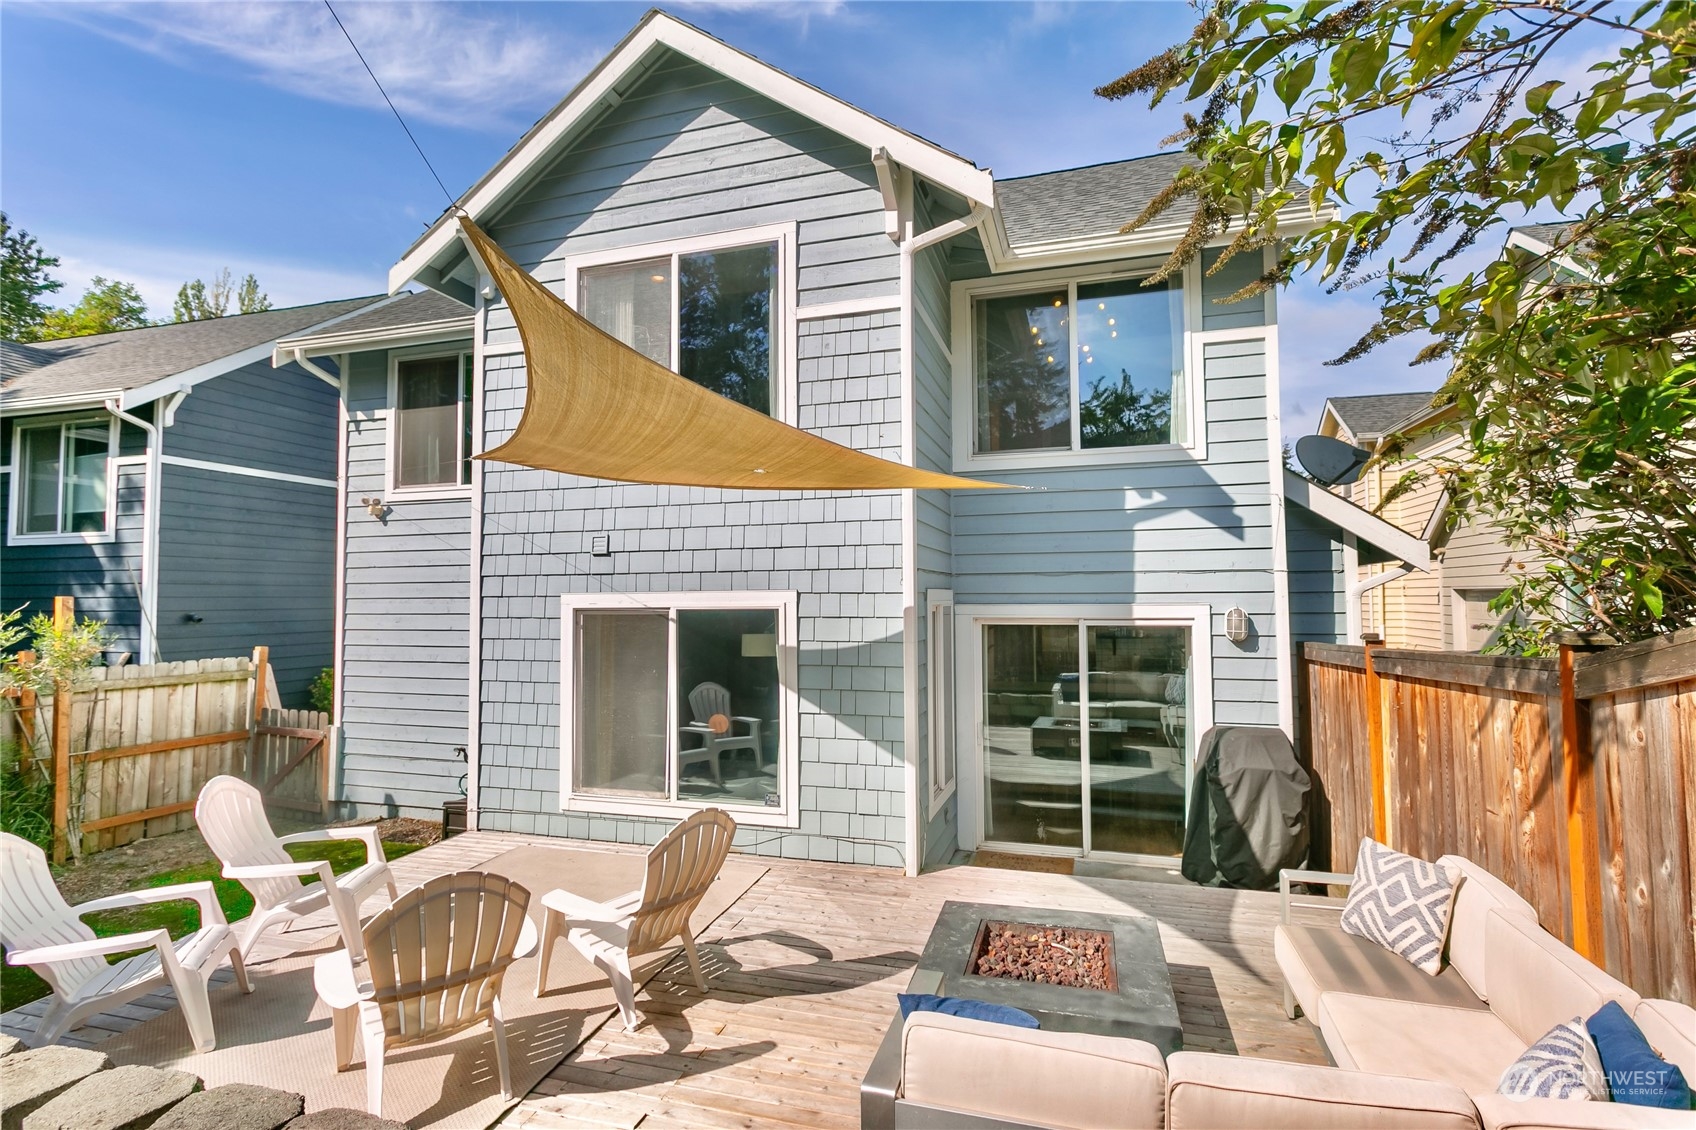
(1189, 447)
(391, 453)
(17, 473)
(786, 814)
(942, 746)
(969, 621)
(785, 384)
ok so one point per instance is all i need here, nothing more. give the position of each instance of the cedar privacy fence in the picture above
(130, 747)
(1572, 778)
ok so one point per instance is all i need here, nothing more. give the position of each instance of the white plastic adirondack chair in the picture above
(681, 868)
(40, 930)
(707, 702)
(231, 815)
(435, 960)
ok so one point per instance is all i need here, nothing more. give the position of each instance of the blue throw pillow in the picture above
(961, 1006)
(1635, 1073)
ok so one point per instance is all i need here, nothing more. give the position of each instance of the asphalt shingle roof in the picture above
(420, 308)
(116, 362)
(1093, 200)
(1375, 415)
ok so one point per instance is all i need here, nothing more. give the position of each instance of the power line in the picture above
(391, 103)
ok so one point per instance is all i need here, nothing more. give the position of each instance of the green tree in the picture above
(1412, 129)
(197, 300)
(105, 306)
(23, 283)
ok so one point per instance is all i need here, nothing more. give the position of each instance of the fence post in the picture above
(256, 716)
(26, 708)
(1375, 741)
(64, 616)
(1583, 846)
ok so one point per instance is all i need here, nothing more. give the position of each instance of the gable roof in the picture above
(410, 318)
(140, 365)
(1373, 416)
(1095, 200)
(439, 248)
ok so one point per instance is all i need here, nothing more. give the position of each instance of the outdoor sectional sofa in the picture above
(1410, 1050)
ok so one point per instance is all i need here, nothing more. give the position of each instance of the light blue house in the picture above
(873, 677)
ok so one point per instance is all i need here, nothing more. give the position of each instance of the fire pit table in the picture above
(1073, 971)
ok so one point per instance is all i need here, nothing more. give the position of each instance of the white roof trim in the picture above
(1154, 239)
(388, 337)
(656, 31)
(10, 406)
(1365, 525)
(1527, 242)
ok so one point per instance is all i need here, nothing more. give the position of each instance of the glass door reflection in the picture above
(1137, 706)
(1032, 755)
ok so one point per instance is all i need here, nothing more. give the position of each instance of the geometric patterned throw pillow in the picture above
(1562, 1065)
(1402, 903)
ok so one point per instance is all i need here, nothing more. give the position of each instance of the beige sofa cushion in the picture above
(1323, 959)
(1670, 1028)
(1205, 1092)
(1467, 1047)
(1060, 1079)
(1536, 981)
(1479, 893)
(1498, 1112)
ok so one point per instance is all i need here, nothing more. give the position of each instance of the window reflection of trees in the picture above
(725, 322)
(1118, 414)
(1024, 386)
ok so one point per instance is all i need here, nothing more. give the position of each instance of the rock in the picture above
(10, 1044)
(30, 1079)
(125, 1098)
(343, 1118)
(238, 1106)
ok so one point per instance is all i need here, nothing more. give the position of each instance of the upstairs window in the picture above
(1082, 366)
(711, 316)
(62, 478)
(432, 433)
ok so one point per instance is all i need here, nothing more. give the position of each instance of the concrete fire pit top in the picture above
(1143, 1008)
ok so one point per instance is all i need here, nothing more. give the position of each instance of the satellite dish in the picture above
(1331, 461)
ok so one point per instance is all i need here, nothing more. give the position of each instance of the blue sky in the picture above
(159, 142)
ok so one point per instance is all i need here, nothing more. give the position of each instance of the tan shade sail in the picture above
(597, 407)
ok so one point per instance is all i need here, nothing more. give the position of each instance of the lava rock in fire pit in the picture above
(1047, 955)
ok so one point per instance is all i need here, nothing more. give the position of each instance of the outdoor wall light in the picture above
(374, 506)
(1236, 625)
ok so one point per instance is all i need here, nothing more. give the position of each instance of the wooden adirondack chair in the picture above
(709, 702)
(681, 868)
(231, 815)
(435, 960)
(40, 930)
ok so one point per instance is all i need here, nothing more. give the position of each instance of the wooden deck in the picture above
(804, 970)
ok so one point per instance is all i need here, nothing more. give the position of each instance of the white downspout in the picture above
(152, 480)
(1361, 588)
(311, 366)
(911, 244)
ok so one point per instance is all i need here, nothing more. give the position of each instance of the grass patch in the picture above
(20, 984)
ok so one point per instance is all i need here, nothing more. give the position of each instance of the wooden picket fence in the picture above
(1572, 778)
(140, 741)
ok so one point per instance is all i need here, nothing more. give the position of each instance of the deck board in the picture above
(804, 969)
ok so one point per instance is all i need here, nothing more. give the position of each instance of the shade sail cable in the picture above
(598, 408)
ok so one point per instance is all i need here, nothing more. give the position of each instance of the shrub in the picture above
(26, 797)
(322, 692)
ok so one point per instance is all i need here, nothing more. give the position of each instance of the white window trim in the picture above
(391, 426)
(1192, 447)
(16, 486)
(784, 368)
(941, 691)
(968, 636)
(787, 814)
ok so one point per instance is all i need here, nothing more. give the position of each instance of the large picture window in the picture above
(62, 477)
(1078, 367)
(678, 701)
(432, 425)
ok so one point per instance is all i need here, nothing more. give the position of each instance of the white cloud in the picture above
(471, 67)
(157, 272)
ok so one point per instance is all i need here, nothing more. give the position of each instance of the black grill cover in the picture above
(1247, 809)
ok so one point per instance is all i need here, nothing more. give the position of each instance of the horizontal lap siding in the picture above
(1318, 611)
(406, 647)
(690, 152)
(254, 559)
(269, 419)
(1178, 533)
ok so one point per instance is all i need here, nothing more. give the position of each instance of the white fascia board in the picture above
(393, 337)
(659, 31)
(1363, 524)
(1153, 239)
(40, 404)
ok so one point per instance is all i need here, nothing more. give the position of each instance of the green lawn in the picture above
(20, 985)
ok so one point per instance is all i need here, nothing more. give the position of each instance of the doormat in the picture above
(1007, 861)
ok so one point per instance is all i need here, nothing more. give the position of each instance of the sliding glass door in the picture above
(1085, 735)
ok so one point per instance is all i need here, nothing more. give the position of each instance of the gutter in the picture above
(153, 480)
